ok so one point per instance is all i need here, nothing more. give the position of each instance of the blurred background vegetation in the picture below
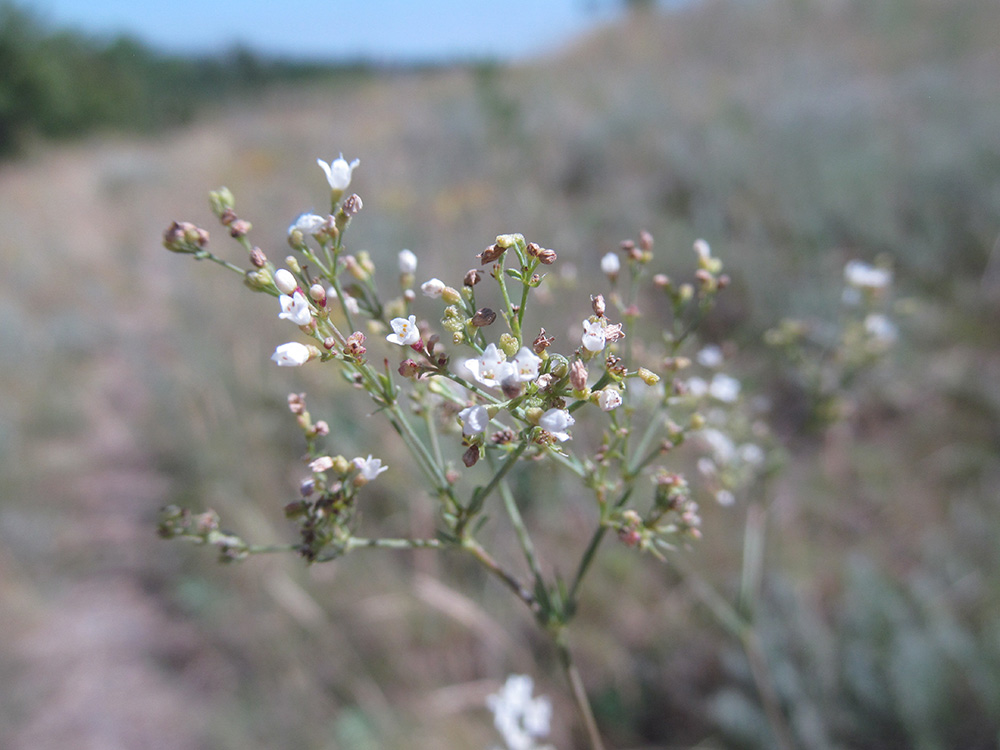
(793, 135)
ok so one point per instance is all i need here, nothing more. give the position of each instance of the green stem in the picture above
(473, 547)
(579, 691)
(523, 538)
(591, 552)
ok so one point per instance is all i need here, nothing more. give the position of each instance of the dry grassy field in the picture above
(793, 136)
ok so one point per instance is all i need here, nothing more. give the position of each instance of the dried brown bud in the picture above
(296, 403)
(472, 277)
(645, 241)
(502, 437)
(483, 317)
(597, 305)
(227, 217)
(352, 205)
(471, 456)
(321, 428)
(184, 237)
(355, 345)
(408, 368)
(614, 365)
(257, 258)
(511, 387)
(542, 342)
(723, 281)
(490, 254)
(239, 228)
(578, 375)
(545, 256)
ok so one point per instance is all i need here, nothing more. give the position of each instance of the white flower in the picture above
(284, 280)
(556, 422)
(526, 364)
(864, 276)
(338, 172)
(432, 288)
(519, 718)
(407, 262)
(880, 328)
(487, 369)
(291, 354)
(321, 464)
(404, 331)
(697, 387)
(751, 453)
(724, 388)
(610, 264)
(609, 399)
(593, 336)
(709, 356)
(474, 420)
(351, 304)
(308, 223)
(295, 309)
(720, 443)
(725, 498)
(369, 468)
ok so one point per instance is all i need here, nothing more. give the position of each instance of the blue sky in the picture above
(383, 30)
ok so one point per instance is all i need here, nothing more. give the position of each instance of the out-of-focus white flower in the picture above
(706, 467)
(703, 250)
(697, 387)
(404, 331)
(491, 367)
(526, 364)
(611, 264)
(432, 288)
(556, 422)
(323, 463)
(308, 223)
(519, 718)
(351, 304)
(593, 336)
(709, 356)
(295, 309)
(724, 388)
(338, 172)
(285, 281)
(609, 399)
(369, 468)
(725, 498)
(751, 453)
(291, 354)
(880, 328)
(720, 443)
(475, 419)
(407, 262)
(861, 275)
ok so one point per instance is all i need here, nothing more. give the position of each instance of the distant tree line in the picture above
(58, 83)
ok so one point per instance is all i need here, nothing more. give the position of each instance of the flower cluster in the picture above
(520, 719)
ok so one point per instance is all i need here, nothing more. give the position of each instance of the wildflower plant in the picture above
(475, 391)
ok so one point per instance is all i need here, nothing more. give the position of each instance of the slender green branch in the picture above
(579, 691)
(473, 547)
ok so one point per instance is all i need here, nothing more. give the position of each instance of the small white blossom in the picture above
(861, 275)
(609, 399)
(556, 422)
(593, 336)
(519, 718)
(323, 463)
(475, 419)
(369, 468)
(703, 250)
(880, 328)
(291, 354)
(284, 280)
(338, 172)
(720, 443)
(404, 331)
(610, 264)
(490, 368)
(407, 262)
(432, 288)
(725, 498)
(308, 223)
(351, 304)
(526, 364)
(710, 356)
(697, 387)
(724, 388)
(295, 309)
(751, 453)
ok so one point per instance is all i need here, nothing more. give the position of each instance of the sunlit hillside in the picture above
(791, 135)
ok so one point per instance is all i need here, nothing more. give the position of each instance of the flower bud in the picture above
(451, 295)
(490, 254)
(258, 281)
(648, 376)
(285, 281)
(240, 228)
(578, 375)
(483, 317)
(221, 200)
(611, 265)
(509, 345)
(407, 262)
(257, 258)
(318, 294)
(471, 456)
(408, 368)
(597, 305)
(472, 277)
